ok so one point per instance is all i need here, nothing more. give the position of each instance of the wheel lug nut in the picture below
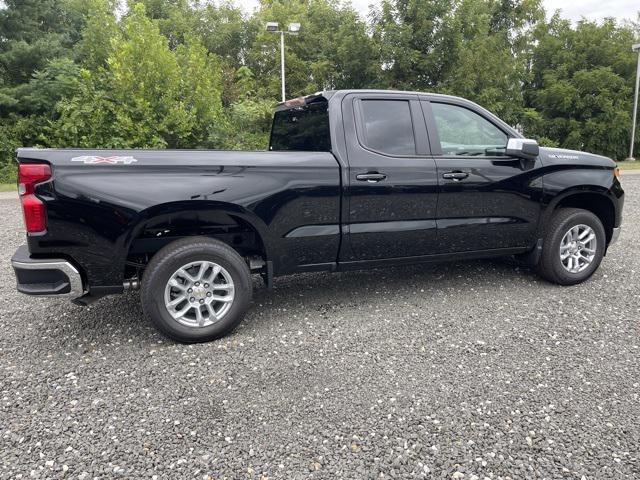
(192, 299)
(202, 300)
(206, 285)
(197, 284)
(190, 290)
(208, 294)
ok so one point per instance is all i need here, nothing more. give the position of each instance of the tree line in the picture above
(199, 74)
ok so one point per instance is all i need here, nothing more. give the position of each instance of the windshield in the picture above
(303, 128)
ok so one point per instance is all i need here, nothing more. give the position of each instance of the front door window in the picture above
(465, 133)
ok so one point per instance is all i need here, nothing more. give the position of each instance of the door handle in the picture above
(455, 176)
(371, 177)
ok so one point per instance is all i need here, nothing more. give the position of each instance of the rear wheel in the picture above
(573, 247)
(196, 289)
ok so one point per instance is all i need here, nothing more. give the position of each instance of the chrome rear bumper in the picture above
(50, 277)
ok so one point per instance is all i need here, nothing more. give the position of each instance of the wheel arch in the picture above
(595, 200)
(162, 224)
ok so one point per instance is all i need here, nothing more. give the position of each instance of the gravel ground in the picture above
(457, 371)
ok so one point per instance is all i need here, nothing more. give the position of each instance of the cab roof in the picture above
(326, 95)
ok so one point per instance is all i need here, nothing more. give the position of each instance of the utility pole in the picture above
(282, 69)
(292, 29)
(636, 48)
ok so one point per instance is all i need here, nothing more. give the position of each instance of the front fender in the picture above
(559, 186)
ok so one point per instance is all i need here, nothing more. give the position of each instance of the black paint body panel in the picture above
(394, 217)
(94, 211)
(308, 208)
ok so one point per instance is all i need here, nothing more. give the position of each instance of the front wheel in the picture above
(573, 247)
(196, 289)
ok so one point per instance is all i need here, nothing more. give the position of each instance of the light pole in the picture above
(292, 29)
(636, 48)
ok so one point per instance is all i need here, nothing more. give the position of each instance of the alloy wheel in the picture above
(199, 294)
(578, 248)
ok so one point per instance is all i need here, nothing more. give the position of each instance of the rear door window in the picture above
(388, 127)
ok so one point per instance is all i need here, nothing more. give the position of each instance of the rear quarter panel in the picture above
(94, 211)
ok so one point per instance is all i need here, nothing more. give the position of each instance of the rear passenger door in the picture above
(391, 193)
(487, 200)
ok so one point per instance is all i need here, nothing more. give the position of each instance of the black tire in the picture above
(550, 266)
(177, 254)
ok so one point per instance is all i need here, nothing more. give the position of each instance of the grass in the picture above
(629, 165)
(8, 187)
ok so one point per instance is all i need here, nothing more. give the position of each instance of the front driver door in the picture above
(486, 200)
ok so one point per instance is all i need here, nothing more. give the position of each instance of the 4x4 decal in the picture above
(95, 160)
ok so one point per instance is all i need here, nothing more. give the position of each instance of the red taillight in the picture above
(35, 218)
(35, 214)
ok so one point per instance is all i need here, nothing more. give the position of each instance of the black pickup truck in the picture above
(352, 179)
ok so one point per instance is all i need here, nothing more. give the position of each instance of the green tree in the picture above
(415, 39)
(99, 34)
(36, 71)
(221, 28)
(332, 50)
(581, 86)
(33, 33)
(492, 53)
(147, 95)
(249, 116)
(478, 49)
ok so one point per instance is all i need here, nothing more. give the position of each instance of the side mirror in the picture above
(522, 148)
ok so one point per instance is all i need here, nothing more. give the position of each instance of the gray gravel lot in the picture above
(457, 371)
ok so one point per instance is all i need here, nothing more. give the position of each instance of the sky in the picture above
(571, 9)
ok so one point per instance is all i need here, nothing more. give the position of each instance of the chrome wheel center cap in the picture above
(199, 292)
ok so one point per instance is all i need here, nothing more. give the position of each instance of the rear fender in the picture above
(185, 218)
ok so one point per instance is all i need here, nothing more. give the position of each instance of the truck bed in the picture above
(102, 203)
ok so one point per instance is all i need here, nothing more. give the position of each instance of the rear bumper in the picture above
(46, 277)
